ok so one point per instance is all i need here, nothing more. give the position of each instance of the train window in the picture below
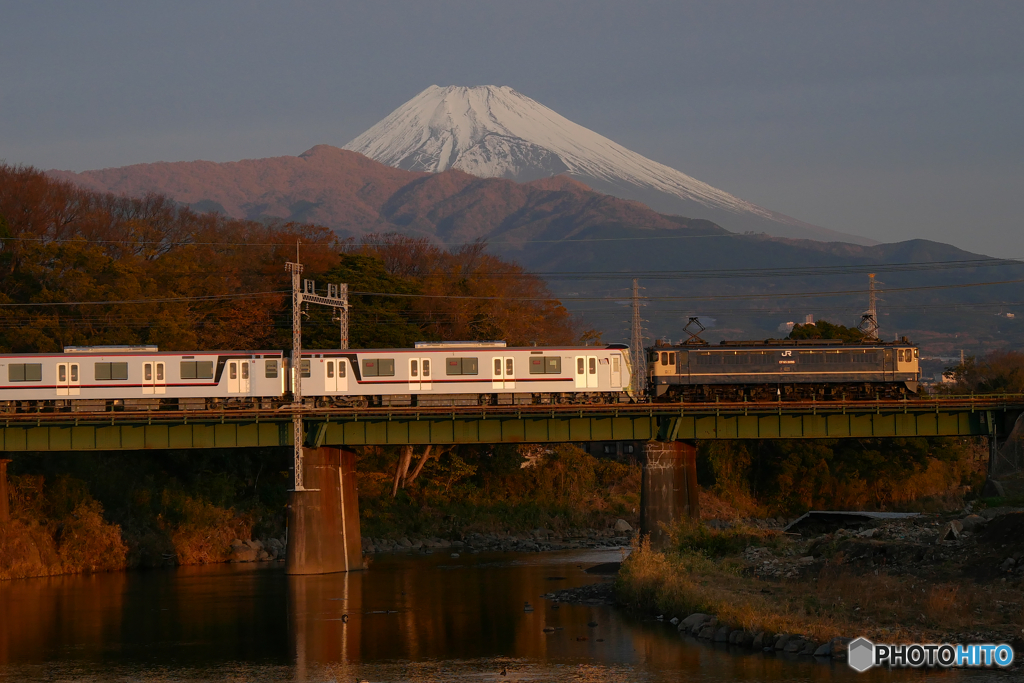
(159, 372)
(915, 354)
(672, 358)
(233, 370)
(497, 367)
(304, 368)
(111, 371)
(342, 371)
(147, 371)
(270, 369)
(509, 367)
(462, 366)
(579, 364)
(593, 366)
(546, 365)
(25, 372)
(899, 355)
(664, 358)
(196, 369)
(378, 367)
(245, 369)
(414, 368)
(74, 373)
(62, 373)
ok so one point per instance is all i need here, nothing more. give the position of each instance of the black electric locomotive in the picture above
(783, 369)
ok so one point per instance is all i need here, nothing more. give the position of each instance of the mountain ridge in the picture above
(495, 131)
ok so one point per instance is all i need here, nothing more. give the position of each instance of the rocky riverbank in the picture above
(954, 578)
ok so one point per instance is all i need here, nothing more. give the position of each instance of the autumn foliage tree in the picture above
(82, 268)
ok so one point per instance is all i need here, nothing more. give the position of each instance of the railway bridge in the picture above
(324, 516)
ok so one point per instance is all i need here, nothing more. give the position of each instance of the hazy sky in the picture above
(886, 119)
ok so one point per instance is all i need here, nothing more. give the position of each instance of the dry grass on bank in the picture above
(838, 601)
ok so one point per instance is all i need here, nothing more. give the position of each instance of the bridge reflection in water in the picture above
(412, 618)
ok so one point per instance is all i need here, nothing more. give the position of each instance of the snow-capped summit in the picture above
(494, 131)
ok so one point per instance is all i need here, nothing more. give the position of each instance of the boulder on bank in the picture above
(694, 620)
(243, 553)
(622, 526)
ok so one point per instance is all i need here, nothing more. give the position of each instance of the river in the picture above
(409, 618)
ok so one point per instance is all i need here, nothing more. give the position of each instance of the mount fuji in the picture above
(491, 131)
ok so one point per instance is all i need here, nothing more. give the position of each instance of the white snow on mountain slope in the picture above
(493, 131)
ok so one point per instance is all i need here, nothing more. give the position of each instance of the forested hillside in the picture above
(79, 268)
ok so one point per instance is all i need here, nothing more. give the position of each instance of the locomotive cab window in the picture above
(196, 369)
(378, 367)
(111, 371)
(25, 372)
(270, 369)
(546, 365)
(899, 355)
(916, 354)
(461, 366)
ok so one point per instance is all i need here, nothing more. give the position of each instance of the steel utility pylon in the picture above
(637, 353)
(337, 298)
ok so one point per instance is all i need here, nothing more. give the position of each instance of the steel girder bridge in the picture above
(173, 429)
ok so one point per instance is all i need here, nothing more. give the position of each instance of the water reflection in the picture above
(425, 618)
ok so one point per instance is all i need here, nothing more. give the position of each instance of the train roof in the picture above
(762, 343)
(482, 348)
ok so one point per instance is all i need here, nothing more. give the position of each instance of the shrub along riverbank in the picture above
(74, 512)
(81, 512)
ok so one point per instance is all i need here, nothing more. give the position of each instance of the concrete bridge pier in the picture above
(668, 488)
(323, 519)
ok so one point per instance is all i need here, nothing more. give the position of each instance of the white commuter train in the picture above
(467, 373)
(102, 378)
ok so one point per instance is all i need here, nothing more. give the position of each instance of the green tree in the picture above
(823, 329)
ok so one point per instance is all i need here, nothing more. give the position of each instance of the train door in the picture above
(331, 376)
(581, 372)
(504, 373)
(68, 383)
(888, 367)
(419, 374)
(154, 378)
(238, 377)
(342, 370)
(616, 371)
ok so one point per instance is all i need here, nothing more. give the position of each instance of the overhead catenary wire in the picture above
(551, 299)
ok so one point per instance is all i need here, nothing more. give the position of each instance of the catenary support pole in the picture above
(668, 488)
